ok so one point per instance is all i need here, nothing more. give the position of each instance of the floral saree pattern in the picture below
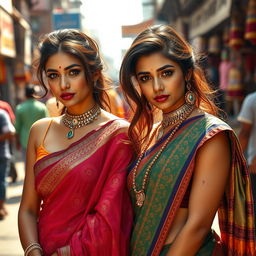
(169, 179)
(86, 209)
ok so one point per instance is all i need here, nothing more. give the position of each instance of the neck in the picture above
(76, 111)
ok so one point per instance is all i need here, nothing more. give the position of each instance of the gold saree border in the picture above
(64, 161)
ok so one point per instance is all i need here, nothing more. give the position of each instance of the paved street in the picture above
(9, 238)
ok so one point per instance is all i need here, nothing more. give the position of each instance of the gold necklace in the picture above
(140, 194)
(77, 121)
(173, 117)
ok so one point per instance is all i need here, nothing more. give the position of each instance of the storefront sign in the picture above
(7, 43)
(208, 16)
(66, 20)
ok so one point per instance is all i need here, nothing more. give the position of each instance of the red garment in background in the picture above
(7, 107)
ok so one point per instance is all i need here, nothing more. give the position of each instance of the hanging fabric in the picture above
(250, 27)
(236, 31)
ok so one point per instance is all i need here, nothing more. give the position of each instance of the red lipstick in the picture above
(67, 96)
(161, 98)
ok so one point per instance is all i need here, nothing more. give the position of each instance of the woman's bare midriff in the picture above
(178, 223)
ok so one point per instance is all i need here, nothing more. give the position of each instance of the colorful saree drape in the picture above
(86, 209)
(169, 179)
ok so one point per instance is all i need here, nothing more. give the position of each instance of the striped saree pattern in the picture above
(168, 182)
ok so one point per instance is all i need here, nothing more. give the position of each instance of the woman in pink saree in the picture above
(75, 200)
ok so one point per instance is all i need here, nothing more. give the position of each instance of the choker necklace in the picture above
(77, 121)
(174, 117)
(140, 194)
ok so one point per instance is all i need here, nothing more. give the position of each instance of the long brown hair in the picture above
(82, 47)
(165, 40)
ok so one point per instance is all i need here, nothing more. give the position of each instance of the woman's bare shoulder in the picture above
(39, 127)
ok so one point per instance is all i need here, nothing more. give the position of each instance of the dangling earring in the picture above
(57, 103)
(190, 96)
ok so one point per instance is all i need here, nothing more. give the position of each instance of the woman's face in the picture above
(66, 79)
(161, 81)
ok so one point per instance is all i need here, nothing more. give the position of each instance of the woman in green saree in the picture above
(190, 165)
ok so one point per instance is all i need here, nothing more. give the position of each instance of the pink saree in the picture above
(86, 208)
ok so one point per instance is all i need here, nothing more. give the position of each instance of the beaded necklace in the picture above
(140, 194)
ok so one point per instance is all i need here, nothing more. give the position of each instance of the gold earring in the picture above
(190, 96)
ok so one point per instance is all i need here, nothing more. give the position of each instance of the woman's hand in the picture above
(55, 254)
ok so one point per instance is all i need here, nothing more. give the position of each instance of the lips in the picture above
(161, 98)
(67, 96)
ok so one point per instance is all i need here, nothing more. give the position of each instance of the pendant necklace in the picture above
(183, 115)
(76, 121)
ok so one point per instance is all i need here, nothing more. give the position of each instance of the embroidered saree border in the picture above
(64, 161)
(165, 204)
(237, 223)
(197, 132)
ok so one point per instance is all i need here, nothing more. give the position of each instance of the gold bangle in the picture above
(31, 247)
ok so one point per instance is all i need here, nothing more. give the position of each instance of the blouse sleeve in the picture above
(106, 229)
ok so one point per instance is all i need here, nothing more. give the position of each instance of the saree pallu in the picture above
(169, 179)
(86, 208)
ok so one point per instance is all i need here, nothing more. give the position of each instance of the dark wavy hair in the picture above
(80, 46)
(165, 40)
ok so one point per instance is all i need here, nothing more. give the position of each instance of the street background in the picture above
(9, 237)
(222, 31)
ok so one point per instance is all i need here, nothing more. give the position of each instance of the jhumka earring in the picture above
(190, 96)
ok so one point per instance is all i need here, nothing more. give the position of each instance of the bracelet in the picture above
(31, 247)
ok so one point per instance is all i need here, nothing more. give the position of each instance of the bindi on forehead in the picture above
(59, 67)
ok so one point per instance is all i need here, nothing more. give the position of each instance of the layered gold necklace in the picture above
(176, 117)
(76, 121)
(173, 117)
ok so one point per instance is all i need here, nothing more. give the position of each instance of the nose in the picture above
(157, 85)
(64, 83)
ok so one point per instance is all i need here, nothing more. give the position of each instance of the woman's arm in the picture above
(211, 173)
(30, 203)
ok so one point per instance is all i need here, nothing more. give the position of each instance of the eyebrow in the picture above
(165, 66)
(66, 68)
(159, 69)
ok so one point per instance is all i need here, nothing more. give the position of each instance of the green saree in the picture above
(168, 182)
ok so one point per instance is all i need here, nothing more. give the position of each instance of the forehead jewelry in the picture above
(77, 121)
(140, 194)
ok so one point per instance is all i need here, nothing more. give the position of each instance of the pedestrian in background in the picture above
(7, 131)
(26, 114)
(247, 136)
(7, 107)
(190, 164)
(75, 200)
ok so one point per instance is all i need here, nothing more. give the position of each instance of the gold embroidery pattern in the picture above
(73, 156)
